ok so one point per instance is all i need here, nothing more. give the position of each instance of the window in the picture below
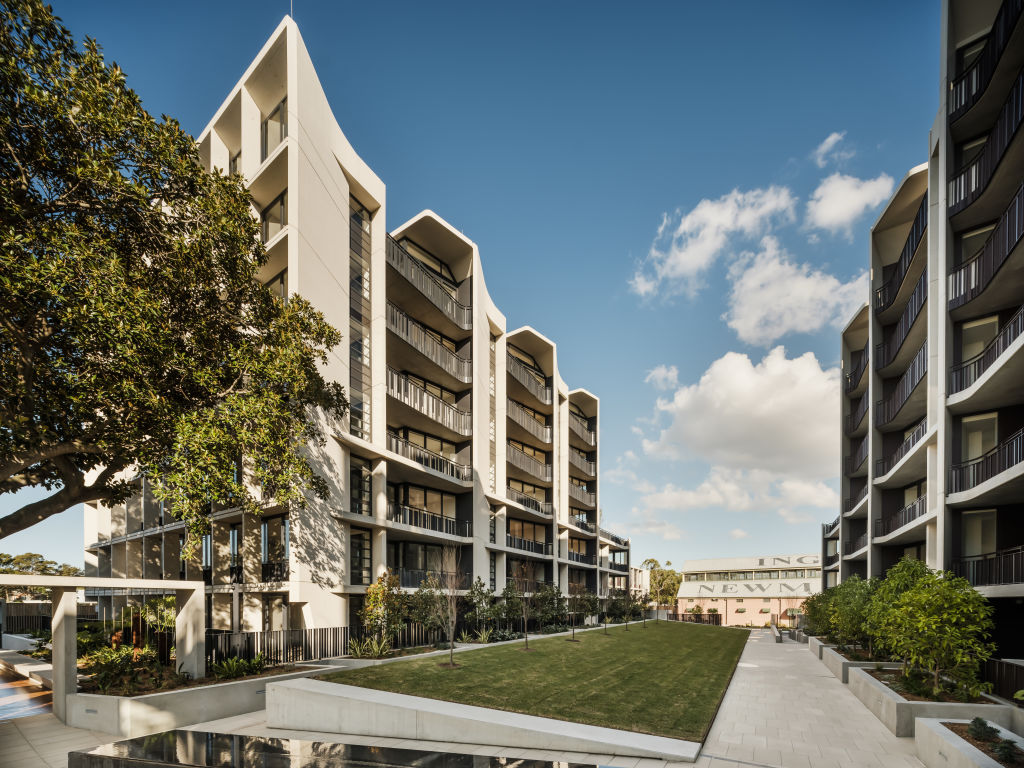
(494, 571)
(520, 529)
(540, 418)
(975, 335)
(275, 539)
(278, 285)
(978, 529)
(439, 269)
(435, 445)
(274, 217)
(360, 486)
(361, 560)
(235, 544)
(274, 129)
(359, 315)
(978, 435)
(235, 163)
(914, 492)
(429, 500)
(207, 551)
(765, 600)
(529, 450)
(968, 54)
(528, 489)
(739, 599)
(969, 244)
(531, 365)
(435, 389)
(578, 482)
(579, 546)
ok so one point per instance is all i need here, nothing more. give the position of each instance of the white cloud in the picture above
(738, 533)
(773, 296)
(840, 200)
(663, 377)
(682, 251)
(829, 150)
(795, 518)
(777, 415)
(644, 522)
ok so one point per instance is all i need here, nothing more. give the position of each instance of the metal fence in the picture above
(1006, 677)
(282, 646)
(714, 619)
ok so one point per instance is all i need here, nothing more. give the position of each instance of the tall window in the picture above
(274, 217)
(360, 486)
(235, 544)
(359, 320)
(274, 129)
(278, 285)
(978, 435)
(275, 539)
(361, 560)
(979, 532)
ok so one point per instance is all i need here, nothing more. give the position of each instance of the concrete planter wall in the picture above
(898, 715)
(815, 644)
(130, 716)
(840, 666)
(937, 745)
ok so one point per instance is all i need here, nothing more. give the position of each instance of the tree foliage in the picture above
(664, 582)
(36, 565)
(135, 334)
(480, 603)
(850, 603)
(549, 605)
(818, 612)
(580, 604)
(385, 607)
(881, 619)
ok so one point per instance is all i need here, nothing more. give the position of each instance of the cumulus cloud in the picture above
(772, 296)
(663, 377)
(776, 415)
(840, 200)
(686, 245)
(738, 533)
(648, 524)
(829, 150)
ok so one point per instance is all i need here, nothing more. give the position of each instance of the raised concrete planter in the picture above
(776, 634)
(37, 670)
(840, 666)
(815, 644)
(898, 715)
(315, 705)
(798, 635)
(939, 746)
(130, 716)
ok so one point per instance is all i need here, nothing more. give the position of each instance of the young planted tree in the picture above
(850, 604)
(384, 610)
(511, 599)
(135, 333)
(452, 582)
(581, 602)
(664, 583)
(881, 617)
(480, 599)
(549, 605)
(818, 610)
(527, 588)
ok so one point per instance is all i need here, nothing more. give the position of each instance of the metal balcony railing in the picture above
(1003, 567)
(852, 379)
(412, 578)
(528, 545)
(1009, 453)
(963, 375)
(411, 269)
(855, 545)
(582, 495)
(622, 567)
(886, 293)
(525, 419)
(831, 559)
(886, 410)
(406, 391)
(416, 335)
(614, 537)
(236, 575)
(884, 465)
(274, 570)
(429, 459)
(581, 427)
(860, 453)
(528, 464)
(428, 521)
(860, 408)
(854, 500)
(968, 280)
(582, 523)
(582, 557)
(544, 507)
(895, 521)
(967, 87)
(590, 467)
(827, 529)
(886, 352)
(525, 376)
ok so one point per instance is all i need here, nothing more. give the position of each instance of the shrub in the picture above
(850, 602)
(121, 667)
(369, 647)
(980, 729)
(483, 635)
(818, 610)
(1006, 751)
(501, 635)
(465, 637)
(696, 609)
(880, 616)
(230, 668)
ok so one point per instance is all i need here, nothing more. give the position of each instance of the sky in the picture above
(678, 194)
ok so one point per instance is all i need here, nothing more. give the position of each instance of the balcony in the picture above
(528, 586)
(965, 374)
(886, 293)
(412, 578)
(581, 428)
(582, 557)
(416, 336)
(208, 575)
(1003, 567)
(891, 523)
(888, 409)
(605, 533)
(524, 419)
(886, 352)
(969, 86)
(429, 459)
(852, 379)
(431, 406)
(541, 507)
(528, 545)
(972, 180)
(428, 521)
(850, 503)
(236, 575)
(588, 467)
(970, 474)
(970, 279)
(583, 524)
(856, 416)
(419, 277)
(884, 465)
(855, 545)
(856, 460)
(528, 464)
(827, 529)
(274, 570)
(621, 567)
(582, 495)
(525, 376)
(832, 559)
(273, 129)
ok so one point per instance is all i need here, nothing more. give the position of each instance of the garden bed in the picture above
(169, 681)
(939, 742)
(840, 665)
(894, 680)
(988, 747)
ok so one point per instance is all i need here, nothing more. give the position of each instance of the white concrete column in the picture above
(190, 632)
(379, 552)
(65, 648)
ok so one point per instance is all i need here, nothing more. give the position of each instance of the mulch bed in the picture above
(960, 729)
(88, 686)
(889, 677)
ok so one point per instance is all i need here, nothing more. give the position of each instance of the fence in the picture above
(22, 618)
(1006, 677)
(281, 646)
(714, 619)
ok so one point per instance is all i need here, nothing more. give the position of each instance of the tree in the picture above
(527, 592)
(135, 335)
(511, 599)
(818, 610)
(451, 584)
(549, 605)
(480, 599)
(581, 602)
(618, 605)
(664, 582)
(850, 604)
(34, 564)
(384, 610)
(881, 617)
(713, 611)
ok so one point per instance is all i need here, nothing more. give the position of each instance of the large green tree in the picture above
(35, 564)
(664, 583)
(135, 335)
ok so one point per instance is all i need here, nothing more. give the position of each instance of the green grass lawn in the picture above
(666, 679)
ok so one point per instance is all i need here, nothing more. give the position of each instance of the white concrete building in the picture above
(461, 430)
(933, 401)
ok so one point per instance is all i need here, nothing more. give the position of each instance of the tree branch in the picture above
(20, 462)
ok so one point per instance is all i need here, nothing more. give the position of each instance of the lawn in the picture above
(666, 679)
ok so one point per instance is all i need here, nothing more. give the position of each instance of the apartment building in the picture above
(933, 387)
(461, 431)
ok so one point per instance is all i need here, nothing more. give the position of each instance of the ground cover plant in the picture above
(666, 679)
(980, 734)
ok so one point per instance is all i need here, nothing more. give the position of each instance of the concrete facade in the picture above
(461, 432)
(932, 407)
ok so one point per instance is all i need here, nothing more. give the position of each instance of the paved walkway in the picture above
(20, 697)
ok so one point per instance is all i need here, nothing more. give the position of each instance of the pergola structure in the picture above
(189, 626)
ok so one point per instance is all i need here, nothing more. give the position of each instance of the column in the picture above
(64, 624)
(190, 632)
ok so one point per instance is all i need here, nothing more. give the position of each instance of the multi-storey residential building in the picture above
(933, 391)
(461, 432)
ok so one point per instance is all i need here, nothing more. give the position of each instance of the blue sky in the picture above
(678, 194)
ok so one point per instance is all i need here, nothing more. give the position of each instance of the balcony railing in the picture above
(860, 408)
(208, 575)
(969, 371)
(590, 467)
(886, 293)
(429, 459)
(831, 559)
(582, 429)
(855, 545)
(523, 418)
(827, 529)
(416, 336)
(525, 376)
(854, 500)
(582, 495)
(429, 521)
(1003, 567)
(968, 86)
(897, 520)
(970, 181)
(236, 575)
(528, 586)
(274, 570)
(1009, 453)
(544, 507)
(582, 557)
(860, 453)
(406, 391)
(412, 270)
(528, 464)
(853, 378)
(528, 545)
(969, 279)
(884, 465)
(886, 410)
(886, 352)
(622, 542)
(412, 578)
(621, 567)
(583, 524)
